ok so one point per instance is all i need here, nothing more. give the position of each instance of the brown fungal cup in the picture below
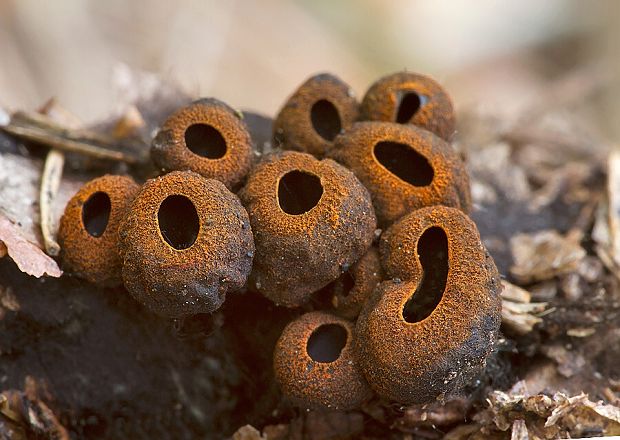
(311, 219)
(207, 137)
(430, 333)
(410, 98)
(185, 242)
(353, 288)
(88, 230)
(404, 167)
(314, 363)
(315, 114)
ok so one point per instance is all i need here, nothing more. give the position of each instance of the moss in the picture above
(415, 359)
(314, 363)
(410, 98)
(206, 137)
(88, 230)
(312, 116)
(171, 270)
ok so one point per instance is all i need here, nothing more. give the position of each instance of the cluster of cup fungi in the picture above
(366, 201)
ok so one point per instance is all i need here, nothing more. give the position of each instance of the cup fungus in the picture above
(185, 242)
(404, 167)
(88, 230)
(207, 137)
(314, 363)
(353, 288)
(410, 98)
(315, 114)
(311, 219)
(431, 333)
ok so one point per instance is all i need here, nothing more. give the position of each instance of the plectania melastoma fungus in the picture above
(207, 137)
(315, 114)
(312, 219)
(88, 229)
(185, 243)
(404, 167)
(430, 329)
(410, 98)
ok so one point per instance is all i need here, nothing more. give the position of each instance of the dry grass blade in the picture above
(50, 182)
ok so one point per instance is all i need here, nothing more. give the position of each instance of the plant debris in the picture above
(28, 256)
(546, 202)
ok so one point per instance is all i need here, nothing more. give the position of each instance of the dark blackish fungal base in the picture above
(408, 106)
(206, 141)
(299, 192)
(343, 285)
(326, 343)
(404, 162)
(178, 221)
(433, 253)
(96, 213)
(325, 119)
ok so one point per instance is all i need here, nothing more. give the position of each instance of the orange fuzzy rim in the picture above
(88, 229)
(315, 114)
(314, 363)
(207, 137)
(404, 168)
(410, 98)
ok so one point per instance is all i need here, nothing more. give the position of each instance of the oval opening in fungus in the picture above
(96, 213)
(433, 254)
(205, 141)
(178, 221)
(408, 105)
(325, 119)
(299, 192)
(326, 343)
(404, 162)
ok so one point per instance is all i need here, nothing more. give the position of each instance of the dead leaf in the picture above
(543, 255)
(519, 430)
(28, 256)
(517, 312)
(247, 432)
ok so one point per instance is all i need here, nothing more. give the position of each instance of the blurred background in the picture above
(503, 56)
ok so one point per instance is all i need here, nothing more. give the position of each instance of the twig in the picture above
(50, 181)
(38, 128)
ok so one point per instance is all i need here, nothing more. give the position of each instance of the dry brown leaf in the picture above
(247, 432)
(519, 430)
(543, 255)
(548, 417)
(28, 256)
(517, 312)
